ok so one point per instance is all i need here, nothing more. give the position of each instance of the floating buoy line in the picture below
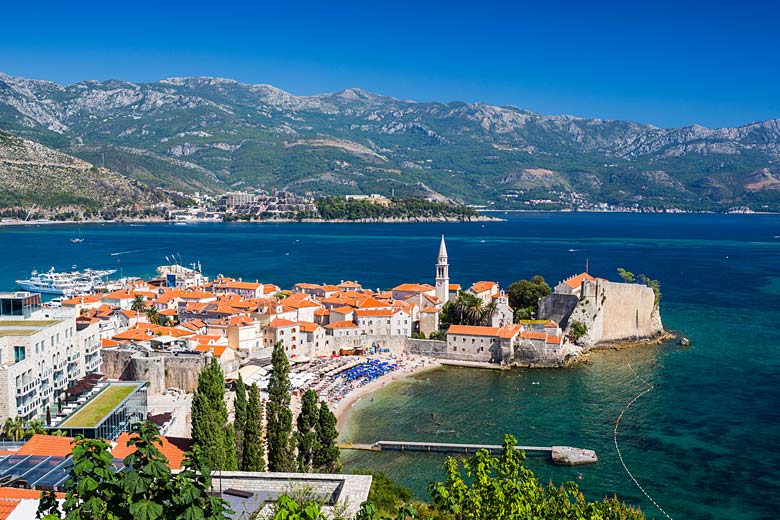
(649, 388)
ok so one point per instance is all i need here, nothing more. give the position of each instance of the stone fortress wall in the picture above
(612, 311)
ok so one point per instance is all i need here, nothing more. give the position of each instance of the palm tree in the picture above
(154, 316)
(14, 429)
(487, 313)
(139, 303)
(33, 427)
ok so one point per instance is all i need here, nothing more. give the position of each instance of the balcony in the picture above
(27, 408)
(27, 389)
(59, 365)
(91, 349)
(72, 358)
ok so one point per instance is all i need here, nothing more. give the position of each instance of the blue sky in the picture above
(665, 63)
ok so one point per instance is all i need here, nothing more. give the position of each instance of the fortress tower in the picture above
(442, 274)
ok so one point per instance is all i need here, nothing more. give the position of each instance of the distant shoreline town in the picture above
(165, 329)
(260, 206)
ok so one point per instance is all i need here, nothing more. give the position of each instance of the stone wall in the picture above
(538, 353)
(396, 344)
(160, 369)
(558, 308)
(427, 347)
(616, 311)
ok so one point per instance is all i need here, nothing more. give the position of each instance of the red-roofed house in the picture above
(286, 331)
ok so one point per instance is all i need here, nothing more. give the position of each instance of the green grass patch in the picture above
(96, 410)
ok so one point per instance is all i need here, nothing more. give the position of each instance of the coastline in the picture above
(405, 220)
(343, 409)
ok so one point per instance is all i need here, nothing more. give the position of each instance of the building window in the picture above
(20, 353)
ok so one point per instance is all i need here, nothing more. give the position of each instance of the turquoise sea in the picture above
(704, 443)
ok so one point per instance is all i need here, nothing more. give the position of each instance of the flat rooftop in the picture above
(24, 327)
(96, 409)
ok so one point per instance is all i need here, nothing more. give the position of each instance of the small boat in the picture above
(535, 383)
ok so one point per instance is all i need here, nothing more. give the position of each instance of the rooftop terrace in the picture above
(90, 415)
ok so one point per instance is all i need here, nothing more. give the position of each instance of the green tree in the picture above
(155, 318)
(655, 285)
(306, 434)
(48, 507)
(278, 413)
(146, 484)
(240, 418)
(92, 490)
(524, 296)
(468, 309)
(627, 276)
(210, 428)
(253, 433)
(14, 429)
(578, 330)
(502, 488)
(327, 457)
(138, 304)
(438, 335)
(145, 490)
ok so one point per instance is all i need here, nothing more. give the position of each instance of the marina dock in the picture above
(564, 455)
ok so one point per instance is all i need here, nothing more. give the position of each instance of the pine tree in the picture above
(239, 423)
(327, 457)
(306, 436)
(279, 416)
(210, 428)
(253, 441)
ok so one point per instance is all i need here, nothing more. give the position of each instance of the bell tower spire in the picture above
(442, 274)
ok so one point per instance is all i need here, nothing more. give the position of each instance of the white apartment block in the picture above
(40, 357)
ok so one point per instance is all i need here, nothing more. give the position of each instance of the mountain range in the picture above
(213, 135)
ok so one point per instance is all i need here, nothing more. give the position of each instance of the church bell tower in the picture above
(443, 274)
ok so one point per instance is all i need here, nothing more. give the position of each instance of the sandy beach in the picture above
(414, 365)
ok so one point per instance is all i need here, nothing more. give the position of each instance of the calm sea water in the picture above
(705, 443)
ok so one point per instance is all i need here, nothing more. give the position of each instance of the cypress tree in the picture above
(306, 436)
(327, 457)
(240, 413)
(210, 428)
(253, 441)
(278, 413)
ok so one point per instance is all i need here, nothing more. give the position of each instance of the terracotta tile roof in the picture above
(174, 453)
(343, 310)
(168, 312)
(8, 493)
(575, 281)
(330, 288)
(482, 286)
(347, 284)
(468, 330)
(322, 312)
(509, 331)
(414, 287)
(47, 445)
(529, 334)
(217, 350)
(430, 310)
(454, 287)
(278, 323)
(80, 300)
(251, 286)
(375, 312)
(307, 326)
(340, 325)
(105, 342)
(550, 325)
(8, 505)
(553, 340)
(308, 285)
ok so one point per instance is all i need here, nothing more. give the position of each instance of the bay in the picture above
(703, 443)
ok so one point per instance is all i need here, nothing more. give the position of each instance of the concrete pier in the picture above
(563, 455)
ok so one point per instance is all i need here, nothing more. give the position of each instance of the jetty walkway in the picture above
(564, 455)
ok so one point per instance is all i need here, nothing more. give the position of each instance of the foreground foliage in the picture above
(146, 490)
(482, 487)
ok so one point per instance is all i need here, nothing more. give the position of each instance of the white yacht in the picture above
(64, 284)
